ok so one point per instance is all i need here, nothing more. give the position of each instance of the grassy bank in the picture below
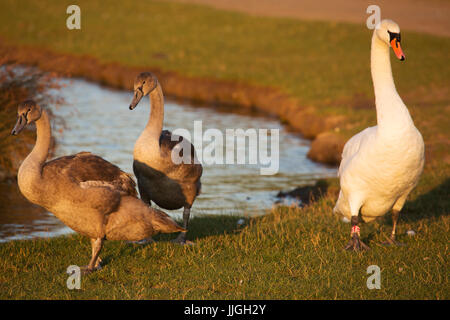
(289, 253)
(309, 60)
(318, 72)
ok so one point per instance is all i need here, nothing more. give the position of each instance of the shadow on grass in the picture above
(209, 225)
(432, 204)
(199, 227)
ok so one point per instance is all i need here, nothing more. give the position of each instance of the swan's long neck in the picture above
(41, 149)
(391, 111)
(31, 169)
(148, 141)
(155, 122)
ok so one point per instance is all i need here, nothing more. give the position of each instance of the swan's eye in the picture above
(143, 82)
(391, 35)
(394, 35)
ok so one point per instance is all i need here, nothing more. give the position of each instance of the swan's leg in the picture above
(398, 206)
(391, 240)
(355, 242)
(181, 239)
(94, 264)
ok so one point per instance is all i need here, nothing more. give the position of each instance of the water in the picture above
(98, 120)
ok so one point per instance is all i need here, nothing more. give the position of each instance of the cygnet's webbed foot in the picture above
(143, 241)
(86, 270)
(181, 239)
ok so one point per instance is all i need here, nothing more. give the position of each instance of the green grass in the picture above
(289, 253)
(314, 61)
(325, 65)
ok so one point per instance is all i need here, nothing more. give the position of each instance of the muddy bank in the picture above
(325, 148)
(305, 195)
(302, 196)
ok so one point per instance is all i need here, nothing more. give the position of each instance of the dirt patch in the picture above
(327, 148)
(306, 194)
(303, 196)
(197, 90)
(428, 16)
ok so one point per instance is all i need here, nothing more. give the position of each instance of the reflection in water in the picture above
(98, 120)
(21, 220)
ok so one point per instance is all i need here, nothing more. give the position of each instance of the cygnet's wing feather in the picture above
(89, 170)
(173, 143)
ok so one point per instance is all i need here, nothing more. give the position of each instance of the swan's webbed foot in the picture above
(356, 244)
(391, 241)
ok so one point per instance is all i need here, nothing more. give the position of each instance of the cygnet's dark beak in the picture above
(138, 94)
(20, 124)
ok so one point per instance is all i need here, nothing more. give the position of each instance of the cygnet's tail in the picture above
(163, 223)
(134, 220)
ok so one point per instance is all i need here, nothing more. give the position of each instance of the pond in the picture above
(97, 119)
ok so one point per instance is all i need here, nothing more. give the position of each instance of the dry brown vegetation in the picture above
(18, 83)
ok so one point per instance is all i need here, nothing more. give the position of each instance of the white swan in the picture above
(381, 164)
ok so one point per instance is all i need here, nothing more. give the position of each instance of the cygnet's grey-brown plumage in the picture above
(89, 194)
(170, 185)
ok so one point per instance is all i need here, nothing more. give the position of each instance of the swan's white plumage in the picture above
(381, 164)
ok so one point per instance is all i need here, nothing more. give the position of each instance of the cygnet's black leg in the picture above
(181, 239)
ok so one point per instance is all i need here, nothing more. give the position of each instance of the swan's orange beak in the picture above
(395, 44)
